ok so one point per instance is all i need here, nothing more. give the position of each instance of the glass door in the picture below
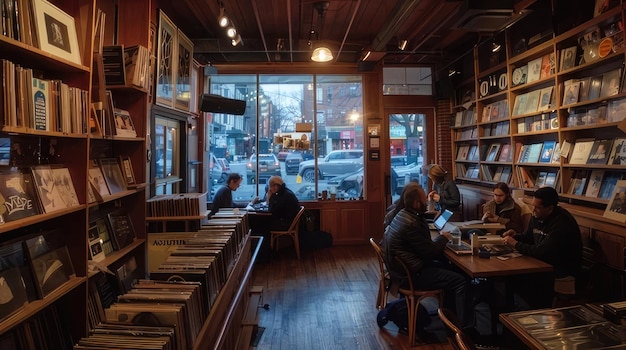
(406, 151)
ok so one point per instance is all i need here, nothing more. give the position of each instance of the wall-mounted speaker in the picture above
(219, 104)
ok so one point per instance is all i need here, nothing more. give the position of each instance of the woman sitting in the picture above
(503, 209)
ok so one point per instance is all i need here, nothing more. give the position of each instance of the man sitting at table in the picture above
(224, 196)
(409, 238)
(552, 236)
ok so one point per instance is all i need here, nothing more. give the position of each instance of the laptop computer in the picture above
(440, 221)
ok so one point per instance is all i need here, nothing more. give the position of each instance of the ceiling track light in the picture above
(231, 32)
(236, 40)
(402, 44)
(495, 47)
(223, 20)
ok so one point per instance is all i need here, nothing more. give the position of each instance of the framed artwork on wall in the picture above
(183, 72)
(56, 31)
(166, 62)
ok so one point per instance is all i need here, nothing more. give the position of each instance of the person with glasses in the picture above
(552, 236)
(283, 204)
(503, 209)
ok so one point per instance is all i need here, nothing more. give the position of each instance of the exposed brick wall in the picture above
(443, 121)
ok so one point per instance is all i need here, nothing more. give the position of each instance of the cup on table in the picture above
(456, 238)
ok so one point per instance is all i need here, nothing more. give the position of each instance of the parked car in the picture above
(350, 183)
(219, 168)
(334, 164)
(292, 163)
(268, 166)
(282, 155)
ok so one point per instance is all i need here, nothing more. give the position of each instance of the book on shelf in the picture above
(616, 110)
(532, 102)
(526, 177)
(492, 153)
(472, 172)
(556, 154)
(486, 173)
(55, 188)
(121, 229)
(594, 87)
(551, 179)
(534, 153)
(570, 92)
(534, 70)
(462, 152)
(113, 62)
(568, 57)
(608, 184)
(540, 181)
(547, 151)
(581, 150)
(616, 209)
(41, 104)
(505, 153)
(506, 174)
(548, 65)
(519, 106)
(497, 175)
(600, 151)
(545, 98)
(583, 92)
(618, 152)
(137, 65)
(611, 83)
(473, 153)
(595, 182)
(578, 182)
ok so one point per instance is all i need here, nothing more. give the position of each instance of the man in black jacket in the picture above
(408, 237)
(283, 204)
(552, 236)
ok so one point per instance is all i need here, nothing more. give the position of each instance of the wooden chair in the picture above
(292, 232)
(413, 297)
(452, 325)
(385, 280)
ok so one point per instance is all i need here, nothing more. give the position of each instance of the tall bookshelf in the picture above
(67, 306)
(525, 98)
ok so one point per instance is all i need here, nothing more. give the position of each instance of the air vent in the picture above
(486, 16)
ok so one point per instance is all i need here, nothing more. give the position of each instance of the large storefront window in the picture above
(265, 141)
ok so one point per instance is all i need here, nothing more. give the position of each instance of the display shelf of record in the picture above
(31, 308)
(114, 256)
(37, 58)
(523, 66)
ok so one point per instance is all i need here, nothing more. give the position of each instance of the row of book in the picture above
(543, 121)
(537, 69)
(591, 88)
(40, 104)
(540, 152)
(495, 111)
(497, 129)
(602, 151)
(535, 178)
(492, 153)
(19, 22)
(126, 65)
(593, 183)
(501, 173)
(182, 204)
(534, 101)
(467, 134)
(465, 118)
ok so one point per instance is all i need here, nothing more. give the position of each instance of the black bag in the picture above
(310, 240)
(398, 313)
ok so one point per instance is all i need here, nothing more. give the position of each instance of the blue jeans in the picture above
(455, 291)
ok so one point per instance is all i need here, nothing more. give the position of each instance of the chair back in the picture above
(407, 272)
(464, 342)
(294, 224)
(456, 337)
(379, 255)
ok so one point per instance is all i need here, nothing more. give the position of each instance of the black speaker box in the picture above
(219, 104)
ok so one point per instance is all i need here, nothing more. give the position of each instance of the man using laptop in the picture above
(409, 238)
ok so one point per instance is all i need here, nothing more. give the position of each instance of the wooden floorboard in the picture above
(324, 301)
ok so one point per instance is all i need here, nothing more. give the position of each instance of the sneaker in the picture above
(381, 318)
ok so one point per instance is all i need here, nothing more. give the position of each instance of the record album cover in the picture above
(18, 197)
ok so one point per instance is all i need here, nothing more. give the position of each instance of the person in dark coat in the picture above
(224, 196)
(552, 236)
(503, 209)
(445, 193)
(283, 204)
(409, 238)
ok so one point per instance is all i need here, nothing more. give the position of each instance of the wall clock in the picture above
(519, 75)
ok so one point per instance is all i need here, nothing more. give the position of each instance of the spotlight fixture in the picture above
(236, 40)
(223, 20)
(452, 72)
(495, 47)
(231, 32)
(402, 44)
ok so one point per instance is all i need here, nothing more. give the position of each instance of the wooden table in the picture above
(476, 267)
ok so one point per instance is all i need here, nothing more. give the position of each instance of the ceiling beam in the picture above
(398, 16)
(255, 8)
(345, 36)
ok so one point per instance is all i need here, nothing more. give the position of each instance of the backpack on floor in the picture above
(399, 314)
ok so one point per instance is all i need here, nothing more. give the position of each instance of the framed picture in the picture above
(54, 188)
(12, 290)
(96, 178)
(568, 58)
(545, 98)
(127, 171)
(166, 62)
(112, 175)
(52, 269)
(96, 252)
(616, 209)
(122, 230)
(56, 31)
(124, 126)
(183, 72)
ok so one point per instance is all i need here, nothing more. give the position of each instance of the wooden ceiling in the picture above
(281, 30)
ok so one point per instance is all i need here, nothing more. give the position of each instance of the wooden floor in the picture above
(324, 301)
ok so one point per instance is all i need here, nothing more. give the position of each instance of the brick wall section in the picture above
(443, 133)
